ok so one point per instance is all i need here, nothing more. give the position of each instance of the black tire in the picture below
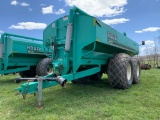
(136, 70)
(120, 71)
(96, 76)
(28, 73)
(44, 67)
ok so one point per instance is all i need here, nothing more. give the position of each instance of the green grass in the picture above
(91, 101)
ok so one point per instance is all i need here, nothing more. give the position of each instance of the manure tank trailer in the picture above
(20, 54)
(83, 47)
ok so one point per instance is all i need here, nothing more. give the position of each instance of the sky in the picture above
(140, 19)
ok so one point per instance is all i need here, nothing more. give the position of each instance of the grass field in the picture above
(91, 101)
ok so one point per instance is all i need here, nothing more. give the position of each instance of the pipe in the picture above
(68, 37)
(18, 80)
(61, 81)
(1, 50)
(70, 26)
(40, 83)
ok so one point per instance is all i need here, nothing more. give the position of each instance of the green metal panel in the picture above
(114, 41)
(31, 87)
(19, 53)
(92, 44)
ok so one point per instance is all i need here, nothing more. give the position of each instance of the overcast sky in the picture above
(140, 19)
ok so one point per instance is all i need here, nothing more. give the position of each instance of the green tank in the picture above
(20, 54)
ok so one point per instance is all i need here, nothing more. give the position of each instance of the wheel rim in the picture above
(138, 70)
(49, 70)
(128, 72)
